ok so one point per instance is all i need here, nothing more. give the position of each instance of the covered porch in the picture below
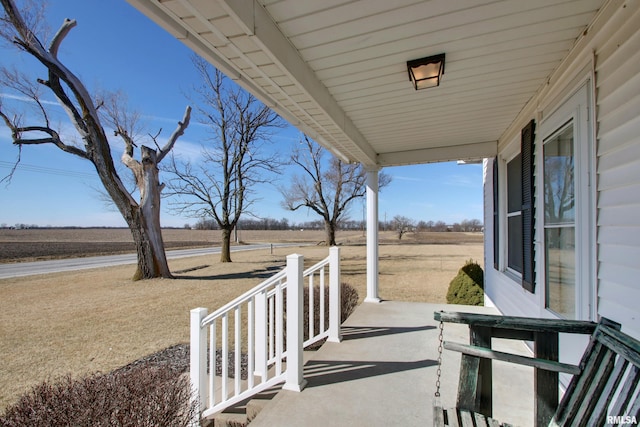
(385, 369)
(338, 71)
(344, 72)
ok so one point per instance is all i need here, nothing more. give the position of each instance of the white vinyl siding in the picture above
(618, 159)
(613, 50)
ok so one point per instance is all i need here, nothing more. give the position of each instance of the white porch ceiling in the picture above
(336, 69)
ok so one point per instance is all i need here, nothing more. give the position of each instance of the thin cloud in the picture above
(463, 181)
(186, 150)
(173, 120)
(149, 117)
(407, 178)
(23, 98)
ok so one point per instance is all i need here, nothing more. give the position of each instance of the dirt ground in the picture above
(44, 244)
(99, 320)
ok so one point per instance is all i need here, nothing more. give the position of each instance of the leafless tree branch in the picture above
(233, 159)
(327, 187)
(182, 125)
(64, 30)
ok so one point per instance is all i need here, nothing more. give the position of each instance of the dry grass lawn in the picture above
(98, 320)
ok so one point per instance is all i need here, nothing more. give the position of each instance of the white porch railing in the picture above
(259, 324)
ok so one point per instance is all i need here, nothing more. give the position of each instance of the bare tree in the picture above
(440, 226)
(402, 225)
(232, 163)
(326, 187)
(470, 225)
(143, 218)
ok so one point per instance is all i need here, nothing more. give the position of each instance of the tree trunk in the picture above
(330, 230)
(151, 262)
(144, 220)
(150, 218)
(146, 235)
(225, 252)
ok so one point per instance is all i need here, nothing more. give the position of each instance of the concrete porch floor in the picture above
(383, 373)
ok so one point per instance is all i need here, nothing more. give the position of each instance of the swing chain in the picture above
(439, 371)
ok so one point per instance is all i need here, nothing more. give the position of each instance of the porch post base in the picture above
(295, 387)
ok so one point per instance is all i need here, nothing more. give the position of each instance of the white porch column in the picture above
(372, 236)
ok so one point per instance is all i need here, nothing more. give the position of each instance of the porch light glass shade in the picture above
(426, 72)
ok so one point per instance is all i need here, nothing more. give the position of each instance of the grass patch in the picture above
(86, 321)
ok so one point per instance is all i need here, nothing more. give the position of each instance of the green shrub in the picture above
(468, 286)
(142, 395)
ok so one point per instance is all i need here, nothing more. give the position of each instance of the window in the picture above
(514, 214)
(560, 222)
(546, 215)
(566, 197)
(520, 210)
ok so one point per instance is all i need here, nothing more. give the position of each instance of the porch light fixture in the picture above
(426, 72)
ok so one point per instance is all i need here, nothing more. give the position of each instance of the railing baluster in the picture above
(261, 335)
(321, 327)
(212, 364)
(272, 328)
(237, 350)
(225, 356)
(279, 329)
(251, 355)
(311, 306)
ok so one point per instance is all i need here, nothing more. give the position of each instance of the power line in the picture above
(46, 170)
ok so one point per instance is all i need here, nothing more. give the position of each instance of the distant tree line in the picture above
(246, 224)
(21, 226)
(396, 224)
(402, 225)
(466, 225)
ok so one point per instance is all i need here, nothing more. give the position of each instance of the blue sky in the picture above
(114, 47)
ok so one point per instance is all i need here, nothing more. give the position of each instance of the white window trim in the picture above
(577, 108)
(508, 154)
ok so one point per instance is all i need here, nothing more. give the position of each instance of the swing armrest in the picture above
(487, 353)
(516, 327)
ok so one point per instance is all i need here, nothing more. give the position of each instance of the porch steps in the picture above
(244, 412)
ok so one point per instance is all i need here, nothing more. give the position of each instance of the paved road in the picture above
(55, 266)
